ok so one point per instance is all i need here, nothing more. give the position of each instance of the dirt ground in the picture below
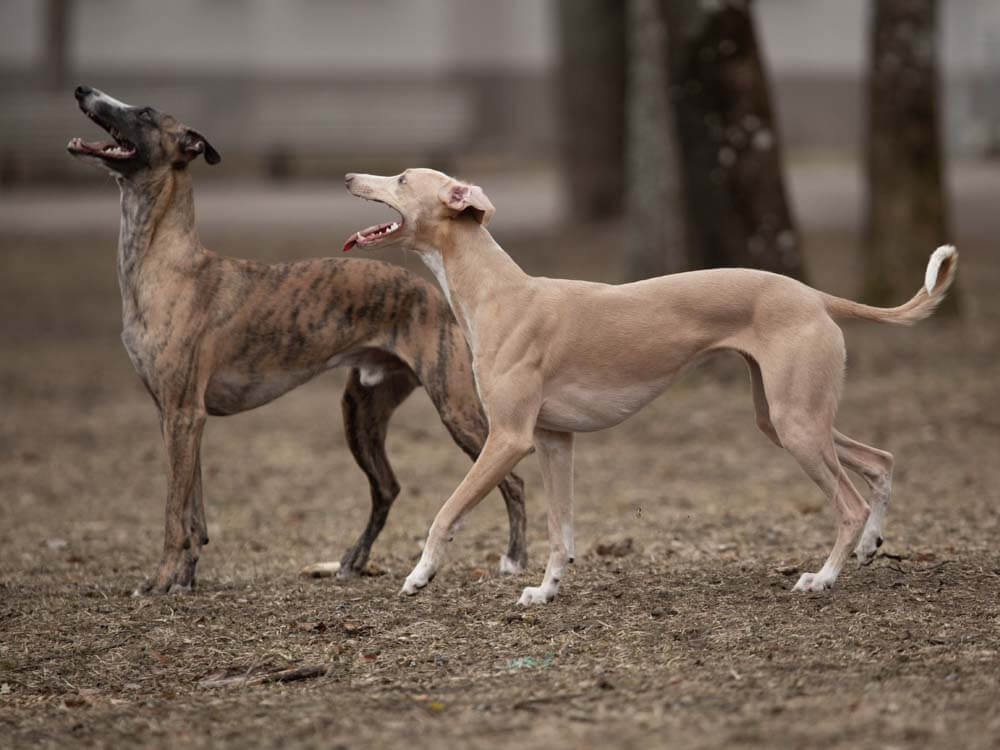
(690, 637)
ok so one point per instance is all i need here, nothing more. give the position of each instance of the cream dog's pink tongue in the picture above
(371, 233)
(358, 237)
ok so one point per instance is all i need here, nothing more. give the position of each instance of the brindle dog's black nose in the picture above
(82, 91)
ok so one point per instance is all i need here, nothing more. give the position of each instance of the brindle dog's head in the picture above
(144, 140)
(424, 199)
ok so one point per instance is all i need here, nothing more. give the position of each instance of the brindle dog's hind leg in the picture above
(182, 431)
(367, 410)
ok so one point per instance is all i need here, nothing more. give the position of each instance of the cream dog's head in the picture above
(425, 200)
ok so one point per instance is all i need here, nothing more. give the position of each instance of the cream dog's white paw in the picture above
(536, 595)
(815, 582)
(418, 578)
(868, 544)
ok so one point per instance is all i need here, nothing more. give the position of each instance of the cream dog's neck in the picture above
(471, 268)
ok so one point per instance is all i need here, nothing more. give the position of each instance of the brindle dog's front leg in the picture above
(197, 530)
(184, 533)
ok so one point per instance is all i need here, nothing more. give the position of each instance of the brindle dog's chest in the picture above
(146, 348)
(162, 331)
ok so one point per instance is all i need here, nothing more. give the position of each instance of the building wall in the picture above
(301, 85)
(290, 37)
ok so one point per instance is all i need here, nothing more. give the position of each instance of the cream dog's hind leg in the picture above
(875, 467)
(555, 454)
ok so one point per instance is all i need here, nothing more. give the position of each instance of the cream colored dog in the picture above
(553, 357)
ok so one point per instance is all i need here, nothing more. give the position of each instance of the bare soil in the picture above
(675, 627)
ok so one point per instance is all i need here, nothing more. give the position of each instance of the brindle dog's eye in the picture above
(146, 115)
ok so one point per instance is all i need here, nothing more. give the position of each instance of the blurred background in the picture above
(724, 131)
(837, 141)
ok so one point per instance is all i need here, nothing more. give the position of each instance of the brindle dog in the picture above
(210, 335)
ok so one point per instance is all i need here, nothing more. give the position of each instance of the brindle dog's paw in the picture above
(172, 577)
(349, 573)
(152, 587)
(509, 566)
(143, 589)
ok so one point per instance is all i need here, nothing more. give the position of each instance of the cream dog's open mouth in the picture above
(373, 234)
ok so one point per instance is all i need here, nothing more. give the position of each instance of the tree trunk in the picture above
(907, 215)
(728, 138)
(56, 43)
(655, 202)
(592, 99)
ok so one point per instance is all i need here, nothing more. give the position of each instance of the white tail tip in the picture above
(934, 265)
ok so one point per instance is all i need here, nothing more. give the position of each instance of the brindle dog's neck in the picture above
(157, 217)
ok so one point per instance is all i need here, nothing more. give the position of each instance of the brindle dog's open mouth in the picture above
(373, 234)
(118, 148)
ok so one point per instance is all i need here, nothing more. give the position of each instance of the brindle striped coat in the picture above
(210, 335)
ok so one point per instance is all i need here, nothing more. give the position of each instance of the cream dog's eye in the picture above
(402, 179)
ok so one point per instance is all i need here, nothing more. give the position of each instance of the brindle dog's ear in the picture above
(194, 143)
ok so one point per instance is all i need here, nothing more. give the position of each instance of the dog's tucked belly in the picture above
(231, 391)
(575, 408)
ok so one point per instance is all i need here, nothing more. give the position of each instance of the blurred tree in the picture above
(655, 202)
(907, 214)
(728, 139)
(592, 99)
(56, 43)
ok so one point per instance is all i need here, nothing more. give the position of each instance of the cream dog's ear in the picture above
(459, 197)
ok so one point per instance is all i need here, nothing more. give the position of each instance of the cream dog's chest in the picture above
(580, 408)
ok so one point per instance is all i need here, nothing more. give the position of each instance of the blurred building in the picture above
(304, 87)
(288, 88)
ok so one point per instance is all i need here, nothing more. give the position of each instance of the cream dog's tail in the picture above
(938, 277)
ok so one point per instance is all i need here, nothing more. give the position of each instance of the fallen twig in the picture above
(284, 675)
(929, 569)
(530, 703)
(892, 556)
(932, 567)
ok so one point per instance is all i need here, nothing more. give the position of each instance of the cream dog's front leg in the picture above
(555, 454)
(501, 452)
